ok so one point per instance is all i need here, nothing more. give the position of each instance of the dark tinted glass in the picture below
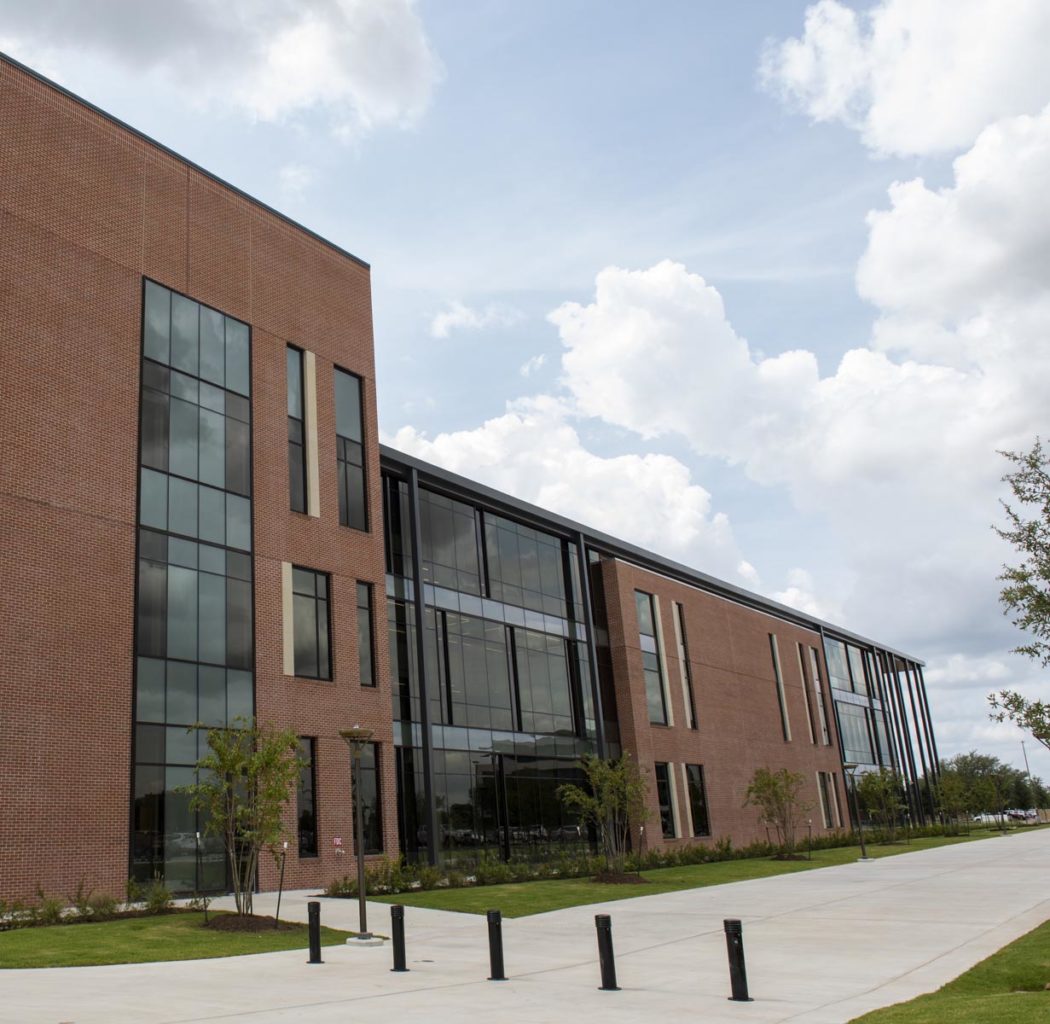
(157, 323)
(185, 317)
(698, 800)
(306, 798)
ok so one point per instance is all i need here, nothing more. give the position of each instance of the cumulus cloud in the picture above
(295, 179)
(458, 316)
(915, 76)
(534, 452)
(532, 365)
(365, 63)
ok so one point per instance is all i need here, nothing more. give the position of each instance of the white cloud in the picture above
(800, 593)
(295, 179)
(534, 452)
(915, 76)
(458, 316)
(365, 63)
(532, 365)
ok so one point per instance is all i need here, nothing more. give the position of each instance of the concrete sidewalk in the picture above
(822, 947)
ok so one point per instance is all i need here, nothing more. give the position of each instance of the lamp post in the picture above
(850, 770)
(356, 738)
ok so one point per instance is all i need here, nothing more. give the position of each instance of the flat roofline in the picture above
(43, 79)
(453, 483)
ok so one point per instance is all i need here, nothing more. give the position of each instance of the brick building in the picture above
(198, 523)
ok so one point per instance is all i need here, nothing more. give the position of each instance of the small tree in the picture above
(613, 800)
(243, 784)
(879, 792)
(776, 795)
(952, 797)
(1026, 590)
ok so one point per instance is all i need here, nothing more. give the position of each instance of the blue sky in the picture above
(761, 286)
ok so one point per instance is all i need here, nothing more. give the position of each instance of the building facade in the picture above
(200, 526)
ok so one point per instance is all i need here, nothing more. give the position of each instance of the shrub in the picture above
(157, 897)
(102, 907)
(48, 911)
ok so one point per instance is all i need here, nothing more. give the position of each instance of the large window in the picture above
(855, 729)
(649, 642)
(296, 431)
(311, 624)
(350, 453)
(368, 781)
(365, 662)
(694, 775)
(663, 795)
(307, 797)
(194, 642)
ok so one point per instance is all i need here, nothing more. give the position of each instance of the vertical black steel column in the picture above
(886, 710)
(313, 916)
(831, 716)
(913, 788)
(592, 651)
(397, 933)
(495, 921)
(929, 718)
(920, 731)
(737, 969)
(433, 832)
(606, 960)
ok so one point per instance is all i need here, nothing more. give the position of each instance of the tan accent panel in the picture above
(673, 787)
(287, 619)
(313, 488)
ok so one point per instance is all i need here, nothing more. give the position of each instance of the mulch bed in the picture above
(790, 856)
(620, 878)
(240, 923)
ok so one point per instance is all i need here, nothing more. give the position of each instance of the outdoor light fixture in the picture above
(356, 738)
(851, 769)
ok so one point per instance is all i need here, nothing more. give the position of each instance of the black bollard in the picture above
(495, 919)
(605, 952)
(737, 970)
(397, 929)
(313, 913)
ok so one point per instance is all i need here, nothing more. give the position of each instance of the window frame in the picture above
(343, 444)
(327, 601)
(297, 462)
(311, 766)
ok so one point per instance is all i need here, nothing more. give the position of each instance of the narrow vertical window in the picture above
(307, 798)
(296, 432)
(803, 675)
(825, 809)
(818, 693)
(350, 452)
(650, 645)
(785, 723)
(311, 624)
(364, 634)
(694, 774)
(368, 781)
(663, 795)
(683, 664)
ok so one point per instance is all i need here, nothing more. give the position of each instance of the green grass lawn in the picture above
(519, 899)
(139, 940)
(1007, 988)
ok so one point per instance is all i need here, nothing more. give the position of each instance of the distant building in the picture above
(198, 523)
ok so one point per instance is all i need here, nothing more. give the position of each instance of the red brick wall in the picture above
(734, 690)
(86, 210)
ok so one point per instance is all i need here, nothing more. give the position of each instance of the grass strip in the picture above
(520, 899)
(1007, 988)
(137, 940)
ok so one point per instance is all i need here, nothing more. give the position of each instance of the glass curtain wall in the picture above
(508, 677)
(194, 633)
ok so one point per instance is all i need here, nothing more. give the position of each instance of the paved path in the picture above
(822, 947)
